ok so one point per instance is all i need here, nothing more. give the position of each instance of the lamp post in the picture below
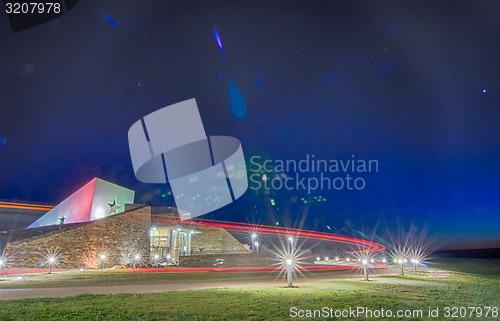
(254, 238)
(400, 261)
(256, 247)
(289, 274)
(102, 257)
(52, 262)
(365, 269)
(136, 260)
(415, 265)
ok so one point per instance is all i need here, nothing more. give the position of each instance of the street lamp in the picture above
(415, 264)
(51, 263)
(365, 268)
(254, 238)
(400, 261)
(256, 246)
(289, 274)
(102, 257)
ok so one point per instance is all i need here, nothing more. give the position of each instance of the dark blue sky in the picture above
(411, 84)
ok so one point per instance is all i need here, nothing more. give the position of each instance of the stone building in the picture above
(81, 233)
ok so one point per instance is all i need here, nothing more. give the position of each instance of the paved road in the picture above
(180, 285)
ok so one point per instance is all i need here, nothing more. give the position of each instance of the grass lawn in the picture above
(77, 278)
(472, 283)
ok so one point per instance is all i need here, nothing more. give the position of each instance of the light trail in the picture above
(24, 206)
(368, 246)
(238, 227)
(265, 269)
(272, 230)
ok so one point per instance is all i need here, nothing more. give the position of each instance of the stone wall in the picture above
(240, 260)
(228, 260)
(216, 240)
(120, 237)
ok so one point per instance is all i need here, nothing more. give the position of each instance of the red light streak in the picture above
(272, 230)
(26, 206)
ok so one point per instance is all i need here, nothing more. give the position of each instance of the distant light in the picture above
(326, 258)
(156, 256)
(484, 91)
(336, 259)
(384, 260)
(365, 261)
(81, 269)
(416, 261)
(289, 261)
(168, 256)
(290, 239)
(1, 262)
(400, 261)
(256, 243)
(405, 260)
(137, 257)
(348, 259)
(318, 258)
(218, 40)
(19, 278)
(103, 257)
(51, 260)
(111, 21)
(372, 260)
(254, 235)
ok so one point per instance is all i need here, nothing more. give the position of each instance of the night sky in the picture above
(413, 85)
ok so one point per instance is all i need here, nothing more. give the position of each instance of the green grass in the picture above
(474, 283)
(77, 278)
